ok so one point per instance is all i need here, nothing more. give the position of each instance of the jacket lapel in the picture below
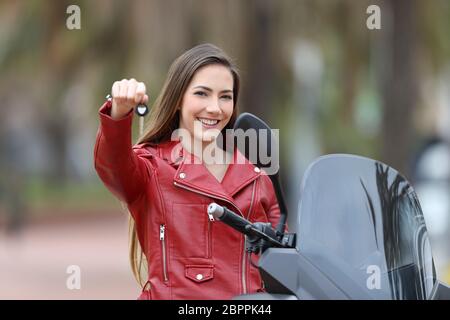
(193, 175)
(239, 174)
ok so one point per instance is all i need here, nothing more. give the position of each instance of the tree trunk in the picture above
(258, 78)
(399, 84)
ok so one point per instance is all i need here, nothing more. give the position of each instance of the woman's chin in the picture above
(206, 138)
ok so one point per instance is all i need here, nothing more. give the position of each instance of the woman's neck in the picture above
(209, 153)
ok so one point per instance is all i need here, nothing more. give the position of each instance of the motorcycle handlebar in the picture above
(242, 225)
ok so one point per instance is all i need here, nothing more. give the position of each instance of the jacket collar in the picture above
(191, 173)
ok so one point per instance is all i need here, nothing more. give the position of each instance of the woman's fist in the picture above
(126, 95)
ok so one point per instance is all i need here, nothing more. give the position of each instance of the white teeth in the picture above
(208, 122)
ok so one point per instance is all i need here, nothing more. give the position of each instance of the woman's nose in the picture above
(213, 106)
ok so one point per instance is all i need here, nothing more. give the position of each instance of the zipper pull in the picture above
(211, 218)
(161, 232)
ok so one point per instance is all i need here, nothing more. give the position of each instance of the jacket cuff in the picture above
(114, 127)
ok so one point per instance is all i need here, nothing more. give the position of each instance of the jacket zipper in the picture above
(162, 231)
(208, 195)
(244, 269)
(210, 221)
(244, 255)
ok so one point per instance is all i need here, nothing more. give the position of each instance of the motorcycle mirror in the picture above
(265, 149)
(247, 121)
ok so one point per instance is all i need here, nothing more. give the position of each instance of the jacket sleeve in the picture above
(271, 206)
(118, 165)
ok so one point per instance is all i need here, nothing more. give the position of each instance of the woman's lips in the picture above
(208, 123)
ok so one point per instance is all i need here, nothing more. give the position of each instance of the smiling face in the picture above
(207, 104)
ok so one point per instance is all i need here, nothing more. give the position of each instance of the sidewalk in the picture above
(33, 265)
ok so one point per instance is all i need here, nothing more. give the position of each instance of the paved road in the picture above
(33, 264)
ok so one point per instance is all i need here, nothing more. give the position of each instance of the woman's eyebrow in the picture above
(210, 90)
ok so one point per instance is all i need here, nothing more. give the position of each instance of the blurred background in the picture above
(311, 68)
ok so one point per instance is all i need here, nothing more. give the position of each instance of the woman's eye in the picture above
(227, 97)
(200, 93)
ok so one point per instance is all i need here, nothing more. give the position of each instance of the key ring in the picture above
(141, 110)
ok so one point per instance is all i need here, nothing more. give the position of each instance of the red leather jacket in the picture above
(189, 256)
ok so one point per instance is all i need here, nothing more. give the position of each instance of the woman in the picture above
(167, 186)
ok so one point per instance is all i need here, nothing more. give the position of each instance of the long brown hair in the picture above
(164, 117)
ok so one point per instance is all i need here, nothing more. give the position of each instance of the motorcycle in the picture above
(360, 233)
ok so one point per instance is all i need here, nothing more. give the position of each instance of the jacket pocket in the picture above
(199, 273)
(190, 235)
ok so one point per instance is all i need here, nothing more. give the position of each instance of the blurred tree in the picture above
(399, 83)
(260, 60)
(140, 39)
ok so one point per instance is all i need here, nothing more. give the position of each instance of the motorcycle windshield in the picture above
(360, 223)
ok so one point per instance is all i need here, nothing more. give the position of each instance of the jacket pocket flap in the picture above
(200, 273)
